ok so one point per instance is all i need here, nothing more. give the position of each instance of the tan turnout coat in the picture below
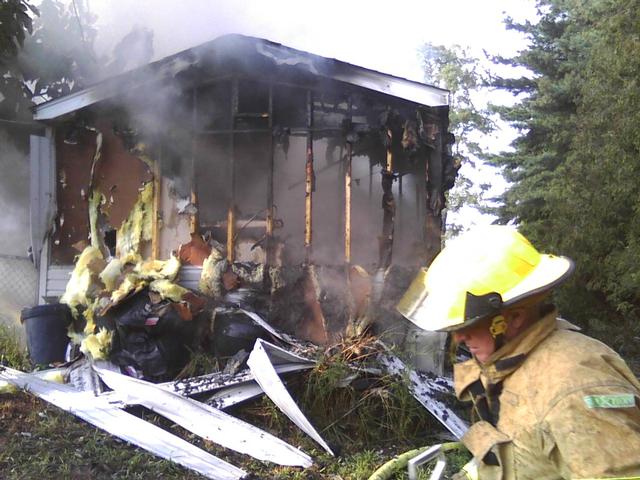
(552, 404)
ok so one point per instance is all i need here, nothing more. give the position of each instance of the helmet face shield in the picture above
(476, 276)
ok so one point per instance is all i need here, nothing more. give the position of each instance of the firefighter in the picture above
(547, 402)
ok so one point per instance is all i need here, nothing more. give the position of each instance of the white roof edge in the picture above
(384, 83)
(394, 86)
(78, 100)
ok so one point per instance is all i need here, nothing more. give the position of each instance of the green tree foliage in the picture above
(455, 69)
(59, 57)
(45, 57)
(53, 54)
(577, 160)
(15, 25)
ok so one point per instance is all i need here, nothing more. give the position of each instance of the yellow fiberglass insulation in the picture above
(89, 315)
(168, 289)
(145, 272)
(111, 274)
(84, 282)
(97, 345)
(137, 228)
(159, 269)
(131, 283)
(54, 376)
(211, 277)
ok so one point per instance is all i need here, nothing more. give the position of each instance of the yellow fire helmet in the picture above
(477, 275)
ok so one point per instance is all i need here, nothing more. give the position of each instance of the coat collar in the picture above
(509, 357)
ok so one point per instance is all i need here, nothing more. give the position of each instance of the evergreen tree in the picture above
(577, 160)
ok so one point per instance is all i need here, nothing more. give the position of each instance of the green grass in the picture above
(12, 353)
(42, 441)
(367, 420)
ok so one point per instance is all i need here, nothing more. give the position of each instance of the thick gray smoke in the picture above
(388, 39)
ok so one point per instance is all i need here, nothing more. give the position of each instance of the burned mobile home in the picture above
(305, 187)
(245, 201)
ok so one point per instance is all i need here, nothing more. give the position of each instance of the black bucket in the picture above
(46, 327)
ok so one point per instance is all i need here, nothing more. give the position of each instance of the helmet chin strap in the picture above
(497, 330)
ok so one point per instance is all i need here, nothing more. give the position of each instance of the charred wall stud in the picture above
(270, 206)
(388, 203)
(231, 217)
(157, 183)
(195, 220)
(309, 182)
(347, 203)
(350, 138)
(434, 201)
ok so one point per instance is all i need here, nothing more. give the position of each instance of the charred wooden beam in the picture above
(270, 206)
(294, 132)
(231, 233)
(194, 224)
(350, 139)
(347, 205)
(155, 218)
(232, 169)
(309, 182)
(388, 206)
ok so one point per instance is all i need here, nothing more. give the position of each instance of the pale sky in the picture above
(380, 35)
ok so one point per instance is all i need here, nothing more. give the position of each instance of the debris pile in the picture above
(101, 391)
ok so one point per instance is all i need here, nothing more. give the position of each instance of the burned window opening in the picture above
(110, 240)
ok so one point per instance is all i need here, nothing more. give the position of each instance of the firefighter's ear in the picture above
(517, 321)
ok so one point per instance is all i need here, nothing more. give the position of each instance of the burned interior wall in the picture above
(244, 126)
(86, 163)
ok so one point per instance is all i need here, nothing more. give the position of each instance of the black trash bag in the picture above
(151, 340)
(140, 353)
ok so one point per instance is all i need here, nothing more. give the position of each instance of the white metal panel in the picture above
(267, 377)
(57, 277)
(206, 421)
(189, 277)
(427, 390)
(56, 281)
(37, 148)
(42, 203)
(112, 419)
(57, 272)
